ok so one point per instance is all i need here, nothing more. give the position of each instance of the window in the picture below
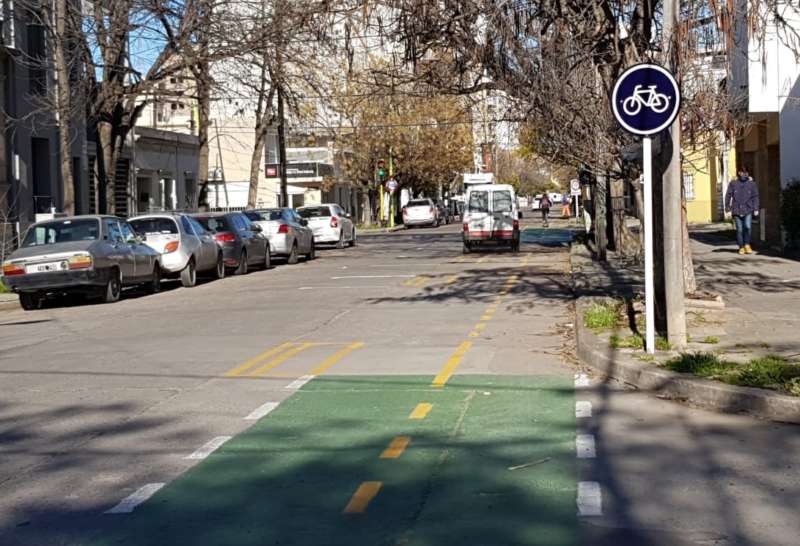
(154, 225)
(254, 216)
(419, 203)
(62, 232)
(478, 201)
(272, 214)
(198, 229)
(501, 201)
(314, 212)
(688, 186)
(187, 227)
(127, 233)
(214, 224)
(37, 53)
(114, 232)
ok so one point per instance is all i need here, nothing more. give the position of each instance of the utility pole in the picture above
(671, 196)
(282, 150)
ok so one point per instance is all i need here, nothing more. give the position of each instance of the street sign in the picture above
(575, 187)
(646, 99)
(391, 185)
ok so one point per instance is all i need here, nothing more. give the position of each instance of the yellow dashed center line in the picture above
(362, 497)
(451, 279)
(396, 447)
(487, 316)
(336, 357)
(421, 411)
(452, 363)
(280, 359)
(239, 370)
(483, 260)
(480, 326)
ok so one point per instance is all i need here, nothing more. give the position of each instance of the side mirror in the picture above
(256, 228)
(141, 238)
(303, 222)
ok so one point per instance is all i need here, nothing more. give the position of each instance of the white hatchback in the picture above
(330, 224)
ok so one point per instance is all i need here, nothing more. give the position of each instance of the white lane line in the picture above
(208, 448)
(129, 503)
(590, 499)
(261, 411)
(581, 380)
(299, 382)
(584, 446)
(583, 409)
(373, 277)
(338, 287)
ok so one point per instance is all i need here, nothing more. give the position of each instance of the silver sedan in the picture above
(289, 235)
(90, 255)
(186, 247)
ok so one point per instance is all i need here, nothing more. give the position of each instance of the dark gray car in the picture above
(90, 255)
(242, 243)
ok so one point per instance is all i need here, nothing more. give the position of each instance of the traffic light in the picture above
(381, 170)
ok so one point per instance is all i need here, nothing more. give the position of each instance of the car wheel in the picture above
(29, 301)
(189, 274)
(113, 287)
(154, 287)
(219, 272)
(242, 269)
(312, 253)
(293, 255)
(268, 259)
(340, 244)
(353, 238)
(466, 249)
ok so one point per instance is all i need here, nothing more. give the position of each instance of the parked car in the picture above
(421, 212)
(491, 217)
(289, 235)
(88, 255)
(329, 224)
(242, 242)
(186, 247)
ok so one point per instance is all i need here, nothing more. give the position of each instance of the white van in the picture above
(491, 216)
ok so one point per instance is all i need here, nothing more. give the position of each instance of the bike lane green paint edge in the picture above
(286, 479)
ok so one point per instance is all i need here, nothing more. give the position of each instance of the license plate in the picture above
(46, 267)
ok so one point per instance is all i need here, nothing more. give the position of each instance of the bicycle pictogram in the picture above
(648, 98)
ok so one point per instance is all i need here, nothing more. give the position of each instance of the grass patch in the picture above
(601, 316)
(710, 340)
(3, 289)
(662, 344)
(630, 342)
(770, 372)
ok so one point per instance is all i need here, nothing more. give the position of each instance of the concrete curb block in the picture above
(595, 353)
(380, 231)
(9, 302)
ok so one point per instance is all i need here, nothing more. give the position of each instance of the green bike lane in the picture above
(492, 462)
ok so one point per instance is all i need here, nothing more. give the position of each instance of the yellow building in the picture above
(706, 173)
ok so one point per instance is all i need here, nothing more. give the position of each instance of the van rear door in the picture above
(503, 214)
(478, 215)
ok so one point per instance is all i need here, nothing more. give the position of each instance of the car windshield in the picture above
(62, 231)
(314, 212)
(419, 203)
(253, 215)
(214, 224)
(478, 201)
(502, 201)
(271, 214)
(154, 225)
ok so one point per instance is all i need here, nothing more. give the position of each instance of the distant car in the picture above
(88, 255)
(289, 235)
(186, 247)
(242, 242)
(421, 212)
(329, 224)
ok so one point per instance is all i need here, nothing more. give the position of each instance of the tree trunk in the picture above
(600, 216)
(256, 161)
(105, 167)
(203, 121)
(63, 108)
(689, 279)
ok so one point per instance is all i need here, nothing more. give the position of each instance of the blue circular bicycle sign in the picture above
(646, 99)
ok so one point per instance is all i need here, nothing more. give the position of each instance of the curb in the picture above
(620, 365)
(380, 231)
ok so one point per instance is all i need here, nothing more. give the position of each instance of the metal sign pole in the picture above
(649, 281)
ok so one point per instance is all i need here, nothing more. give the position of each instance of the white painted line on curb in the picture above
(208, 448)
(584, 446)
(583, 409)
(581, 380)
(299, 382)
(590, 499)
(261, 411)
(129, 503)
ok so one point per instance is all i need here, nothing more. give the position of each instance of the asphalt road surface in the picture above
(395, 393)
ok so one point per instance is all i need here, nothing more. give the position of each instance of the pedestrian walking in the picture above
(566, 209)
(545, 205)
(741, 200)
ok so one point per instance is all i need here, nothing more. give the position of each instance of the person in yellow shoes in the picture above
(741, 200)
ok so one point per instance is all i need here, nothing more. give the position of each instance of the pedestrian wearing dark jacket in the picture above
(741, 200)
